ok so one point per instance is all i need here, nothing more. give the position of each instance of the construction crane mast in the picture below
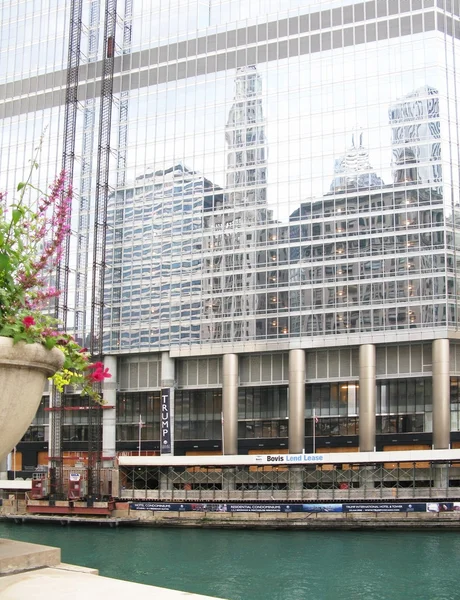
(99, 210)
(62, 272)
(99, 240)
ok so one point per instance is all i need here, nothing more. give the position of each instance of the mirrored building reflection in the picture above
(282, 243)
(154, 247)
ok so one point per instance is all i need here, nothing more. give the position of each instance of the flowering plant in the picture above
(32, 239)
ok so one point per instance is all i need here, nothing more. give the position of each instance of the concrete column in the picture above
(296, 401)
(296, 483)
(441, 394)
(109, 415)
(168, 365)
(366, 479)
(168, 378)
(367, 398)
(440, 476)
(4, 468)
(230, 403)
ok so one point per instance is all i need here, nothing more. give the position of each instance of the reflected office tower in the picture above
(245, 135)
(232, 242)
(416, 137)
(153, 255)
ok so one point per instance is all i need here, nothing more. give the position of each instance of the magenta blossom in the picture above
(28, 322)
(98, 372)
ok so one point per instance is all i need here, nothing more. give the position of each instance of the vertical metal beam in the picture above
(124, 100)
(296, 401)
(102, 179)
(99, 239)
(62, 270)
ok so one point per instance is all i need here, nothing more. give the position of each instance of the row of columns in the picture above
(367, 398)
(297, 372)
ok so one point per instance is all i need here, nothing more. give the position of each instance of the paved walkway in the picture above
(35, 572)
(67, 583)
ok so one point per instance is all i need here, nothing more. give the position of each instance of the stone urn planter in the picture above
(24, 369)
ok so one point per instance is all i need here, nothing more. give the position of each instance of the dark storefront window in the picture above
(34, 434)
(455, 403)
(75, 433)
(133, 405)
(198, 415)
(263, 412)
(36, 431)
(404, 405)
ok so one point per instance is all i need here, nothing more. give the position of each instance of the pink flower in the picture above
(28, 322)
(98, 372)
(95, 366)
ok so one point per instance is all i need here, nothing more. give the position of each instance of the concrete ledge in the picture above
(77, 569)
(16, 557)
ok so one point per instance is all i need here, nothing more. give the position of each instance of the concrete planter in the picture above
(24, 369)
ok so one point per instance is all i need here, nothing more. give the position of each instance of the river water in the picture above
(265, 565)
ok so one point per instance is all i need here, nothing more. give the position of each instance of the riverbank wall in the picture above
(376, 517)
(293, 521)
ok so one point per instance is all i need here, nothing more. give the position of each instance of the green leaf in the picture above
(4, 261)
(17, 214)
(18, 337)
(49, 343)
(20, 186)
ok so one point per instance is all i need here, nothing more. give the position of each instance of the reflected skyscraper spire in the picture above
(245, 136)
(353, 170)
(231, 239)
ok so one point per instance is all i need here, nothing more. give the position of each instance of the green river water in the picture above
(265, 565)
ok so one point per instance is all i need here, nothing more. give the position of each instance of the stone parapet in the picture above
(23, 556)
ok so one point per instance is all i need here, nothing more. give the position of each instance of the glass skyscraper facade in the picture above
(282, 245)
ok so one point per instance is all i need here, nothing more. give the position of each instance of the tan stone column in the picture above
(367, 397)
(230, 403)
(441, 394)
(296, 401)
(109, 415)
